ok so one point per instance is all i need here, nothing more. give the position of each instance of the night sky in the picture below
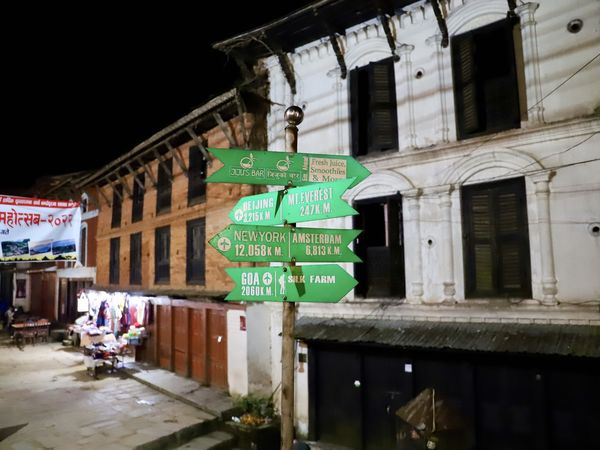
(85, 84)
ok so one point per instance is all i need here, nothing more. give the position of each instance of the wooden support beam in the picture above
(103, 195)
(115, 191)
(288, 70)
(239, 60)
(385, 23)
(334, 43)
(512, 4)
(177, 157)
(441, 22)
(200, 144)
(225, 129)
(135, 177)
(149, 173)
(125, 185)
(162, 162)
(241, 107)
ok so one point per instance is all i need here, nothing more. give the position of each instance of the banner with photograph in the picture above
(35, 229)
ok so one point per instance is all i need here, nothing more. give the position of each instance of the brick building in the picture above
(156, 216)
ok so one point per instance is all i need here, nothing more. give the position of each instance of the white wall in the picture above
(237, 354)
(559, 143)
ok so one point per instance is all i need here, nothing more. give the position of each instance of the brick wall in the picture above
(220, 199)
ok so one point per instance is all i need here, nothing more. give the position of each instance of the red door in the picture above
(181, 341)
(217, 347)
(198, 345)
(164, 337)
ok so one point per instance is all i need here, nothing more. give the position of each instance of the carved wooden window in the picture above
(135, 258)
(162, 252)
(196, 177)
(113, 268)
(195, 251)
(137, 201)
(116, 206)
(163, 188)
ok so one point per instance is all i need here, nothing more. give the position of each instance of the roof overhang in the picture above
(512, 338)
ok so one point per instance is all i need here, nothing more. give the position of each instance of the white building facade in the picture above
(482, 211)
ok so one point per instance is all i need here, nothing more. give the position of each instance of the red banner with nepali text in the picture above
(35, 229)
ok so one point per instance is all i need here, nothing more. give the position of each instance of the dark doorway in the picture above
(381, 247)
(6, 286)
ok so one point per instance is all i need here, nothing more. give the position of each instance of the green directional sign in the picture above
(284, 244)
(318, 284)
(281, 169)
(313, 202)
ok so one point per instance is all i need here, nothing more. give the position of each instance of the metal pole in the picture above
(293, 116)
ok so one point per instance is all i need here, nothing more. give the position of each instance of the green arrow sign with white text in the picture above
(318, 284)
(281, 169)
(285, 244)
(313, 202)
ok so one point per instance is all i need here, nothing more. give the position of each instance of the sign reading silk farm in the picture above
(34, 229)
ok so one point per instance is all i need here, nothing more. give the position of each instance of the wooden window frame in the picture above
(137, 199)
(162, 266)
(497, 239)
(117, 206)
(164, 187)
(135, 259)
(192, 275)
(368, 110)
(114, 259)
(197, 168)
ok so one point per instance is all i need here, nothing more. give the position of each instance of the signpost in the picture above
(313, 202)
(283, 169)
(326, 283)
(251, 243)
(323, 180)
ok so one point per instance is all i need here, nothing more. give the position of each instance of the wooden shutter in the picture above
(195, 251)
(496, 239)
(116, 206)
(383, 122)
(465, 86)
(162, 250)
(163, 189)
(114, 261)
(135, 259)
(358, 147)
(196, 176)
(137, 207)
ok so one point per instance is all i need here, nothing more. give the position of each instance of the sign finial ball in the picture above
(294, 115)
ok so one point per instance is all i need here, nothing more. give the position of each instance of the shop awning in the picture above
(518, 338)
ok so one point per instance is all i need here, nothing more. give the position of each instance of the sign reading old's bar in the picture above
(313, 202)
(319, 284)
(283, 169)
(283, 244)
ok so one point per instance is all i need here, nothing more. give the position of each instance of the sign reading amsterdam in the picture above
(313, 202)
(319, 284)
(34, 229)
(281, 169)
(283, 244)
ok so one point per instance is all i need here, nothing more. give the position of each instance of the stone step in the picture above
(217, 440)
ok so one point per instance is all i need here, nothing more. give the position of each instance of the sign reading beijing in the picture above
(282, 169)
(319, 284)
(34, 229)
(283, 244)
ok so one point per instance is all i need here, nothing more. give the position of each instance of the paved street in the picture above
(46, 390)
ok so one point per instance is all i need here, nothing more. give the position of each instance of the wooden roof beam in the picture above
(334, 43)
(441, 22)
(103, 195)
(148, 172)
(135, 177)
(178, 157)
(162, 161)
(241, 108)
(200, 144)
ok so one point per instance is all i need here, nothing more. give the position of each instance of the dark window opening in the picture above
(162, 251)
(373, 108)
(196, 176)
(163, 188)
(116, 206)
(137, 202)
(83, 246)
(381, 247)
(114, 261)
(486, 90)
(135, 259)
(496, 240)
(195, 251)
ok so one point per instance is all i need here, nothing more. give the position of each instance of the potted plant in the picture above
(256, 424)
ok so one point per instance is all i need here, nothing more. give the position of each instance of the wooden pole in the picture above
(293, 116)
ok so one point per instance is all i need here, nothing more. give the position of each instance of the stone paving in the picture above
(47, 390)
